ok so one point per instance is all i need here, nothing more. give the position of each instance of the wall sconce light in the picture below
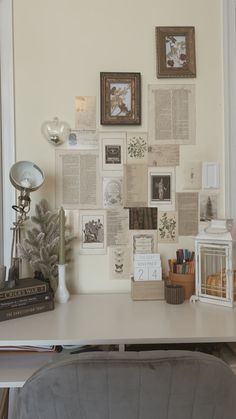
(26, 177)
(55, 131)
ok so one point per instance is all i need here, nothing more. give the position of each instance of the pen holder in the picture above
(62, 294)
(186, 280)
(174, 294)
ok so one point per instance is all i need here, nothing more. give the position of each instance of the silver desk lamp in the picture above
(26, 177)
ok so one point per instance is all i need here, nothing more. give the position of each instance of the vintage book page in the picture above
(135, 185)
(144, 241)
(119, 262)
(187, 205)
(92, 232)
(117, 227)
(163, 155)
(137, 147)
(172, 114)
(167, 226)
(112, 188)
(82, 139)
(85, 112)
(192, 175)
(77, 179)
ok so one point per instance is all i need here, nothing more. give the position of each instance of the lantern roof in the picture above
(217, 230)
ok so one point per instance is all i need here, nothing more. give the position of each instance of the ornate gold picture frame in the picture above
(120, 98)
(175, 49)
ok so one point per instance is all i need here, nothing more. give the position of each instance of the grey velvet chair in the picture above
(130, 385)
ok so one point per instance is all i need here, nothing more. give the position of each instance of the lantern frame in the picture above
(220, 247)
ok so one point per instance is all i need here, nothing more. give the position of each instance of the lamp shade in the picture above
(26, 175)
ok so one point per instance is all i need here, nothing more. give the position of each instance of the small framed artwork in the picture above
(175, 49)
(92, 232)
(112, 151)
(120, 98)
(161, 188)
(210, 175)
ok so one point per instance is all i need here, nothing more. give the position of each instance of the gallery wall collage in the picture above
(123, 180)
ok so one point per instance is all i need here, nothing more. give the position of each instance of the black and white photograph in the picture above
(208, 206)
(161, 187)
(92, 232)
(142, 218)
(113, 154)
(112, 151)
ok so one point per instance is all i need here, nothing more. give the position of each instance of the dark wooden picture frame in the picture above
(175, 50)
(120, 98)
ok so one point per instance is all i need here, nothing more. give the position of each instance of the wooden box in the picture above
(147, 290)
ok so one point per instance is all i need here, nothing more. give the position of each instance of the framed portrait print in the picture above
(175, 49)
(161, 188)
(120, 98)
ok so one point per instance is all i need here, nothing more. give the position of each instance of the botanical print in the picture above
(120, 99)
(137, 148)
(208, 207)
(176, 51)
(92, 232)
(112, 192)
(167, 226)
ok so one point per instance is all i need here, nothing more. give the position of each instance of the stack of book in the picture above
(29, 296)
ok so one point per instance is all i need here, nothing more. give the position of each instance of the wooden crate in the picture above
(147, 290)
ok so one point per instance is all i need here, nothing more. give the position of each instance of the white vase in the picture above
(62, 294)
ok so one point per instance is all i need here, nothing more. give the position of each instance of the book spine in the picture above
(23, 301)
(13, 313)
(22, 292)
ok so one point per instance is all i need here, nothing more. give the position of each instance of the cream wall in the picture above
(60, 47)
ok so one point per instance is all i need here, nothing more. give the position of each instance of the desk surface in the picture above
(116, 319)
(109, 319)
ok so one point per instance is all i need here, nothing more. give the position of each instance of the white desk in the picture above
(110, 319)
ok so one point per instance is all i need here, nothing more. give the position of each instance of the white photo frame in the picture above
(112, 151)
(161, 188)
(210, 175)
(93, 234)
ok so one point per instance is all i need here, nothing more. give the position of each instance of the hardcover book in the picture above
(26, 300)
(24, 287)
(13, 313)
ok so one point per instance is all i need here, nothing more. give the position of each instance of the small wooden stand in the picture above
(147, 290)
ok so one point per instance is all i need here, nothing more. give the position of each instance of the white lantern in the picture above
(214, 272)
